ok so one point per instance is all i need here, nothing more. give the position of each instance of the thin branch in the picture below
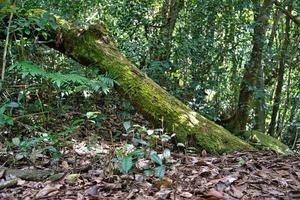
(287, 13)
(31, 114)
(6, 45)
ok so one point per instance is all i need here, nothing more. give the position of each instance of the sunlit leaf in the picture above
(154, 157)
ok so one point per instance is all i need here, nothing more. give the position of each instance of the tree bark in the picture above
(280, 77)
(169, 13)
(92, 46)
(287, 104)
(260, 101)
(249, 80)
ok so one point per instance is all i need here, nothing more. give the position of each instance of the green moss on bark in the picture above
(263, 141)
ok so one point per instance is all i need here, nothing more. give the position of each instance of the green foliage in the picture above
(43, 143)
(154, 157)
(4, 118)
(69, 82)
(140, 151)
(126, 164)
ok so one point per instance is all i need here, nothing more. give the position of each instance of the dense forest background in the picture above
(225, 59)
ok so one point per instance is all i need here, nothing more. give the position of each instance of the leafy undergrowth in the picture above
(246, 175)
(103, 156)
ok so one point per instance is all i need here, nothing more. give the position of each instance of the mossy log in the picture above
(27, 174)
(92, 46)
(262, 141)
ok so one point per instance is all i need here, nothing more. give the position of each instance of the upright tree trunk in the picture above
(291, 125)
(260, 114)
(287, 105)
(280, 77)
(169, 13)
(93, 47)
(248, 84)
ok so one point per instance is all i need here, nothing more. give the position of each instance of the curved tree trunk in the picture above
(94, 47)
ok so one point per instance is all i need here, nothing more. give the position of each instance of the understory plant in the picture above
(146, 150)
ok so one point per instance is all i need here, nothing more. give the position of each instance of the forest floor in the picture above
(81, 174)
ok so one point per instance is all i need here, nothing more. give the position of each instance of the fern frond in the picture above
(69, 82)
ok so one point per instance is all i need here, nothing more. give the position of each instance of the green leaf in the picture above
(6, 120)
(160, 171)
(92, 115)
(165, 138)
(16, 141)
(167, 153)
(180, 145)
(2, 109)
(148, 173)
(12, 104)
(150, 132)
(53, 23)
(126, 164)
(127, 125)
(45, 35)
(137, 153)
(140, 141)
(242, 162)
(154, 157)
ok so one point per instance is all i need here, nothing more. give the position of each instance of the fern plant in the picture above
(70, 82)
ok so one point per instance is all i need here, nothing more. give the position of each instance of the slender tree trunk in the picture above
(260, 113)
(170, 12)
(280, 77)
(287, 105)
(276, 18)
(260, 101)
(249, 80)
(291, 127)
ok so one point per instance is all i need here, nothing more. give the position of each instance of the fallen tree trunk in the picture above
(265, 142)
(92, 46)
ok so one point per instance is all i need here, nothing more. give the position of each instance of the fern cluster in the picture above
(70, 82)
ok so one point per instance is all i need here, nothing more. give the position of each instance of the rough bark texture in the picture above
(260, 101)
(250, 75)
(93, 47)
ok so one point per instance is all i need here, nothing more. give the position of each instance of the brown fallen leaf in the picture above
(262, 174)
(72, 178)
(65, 165)
(236, 192)
(276, 193)
(163, 183)
(163, 193)
(214, 195)
(45, 191)
(186, 195)
(93, 191)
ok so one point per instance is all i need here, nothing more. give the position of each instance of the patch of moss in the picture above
(262, 141)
